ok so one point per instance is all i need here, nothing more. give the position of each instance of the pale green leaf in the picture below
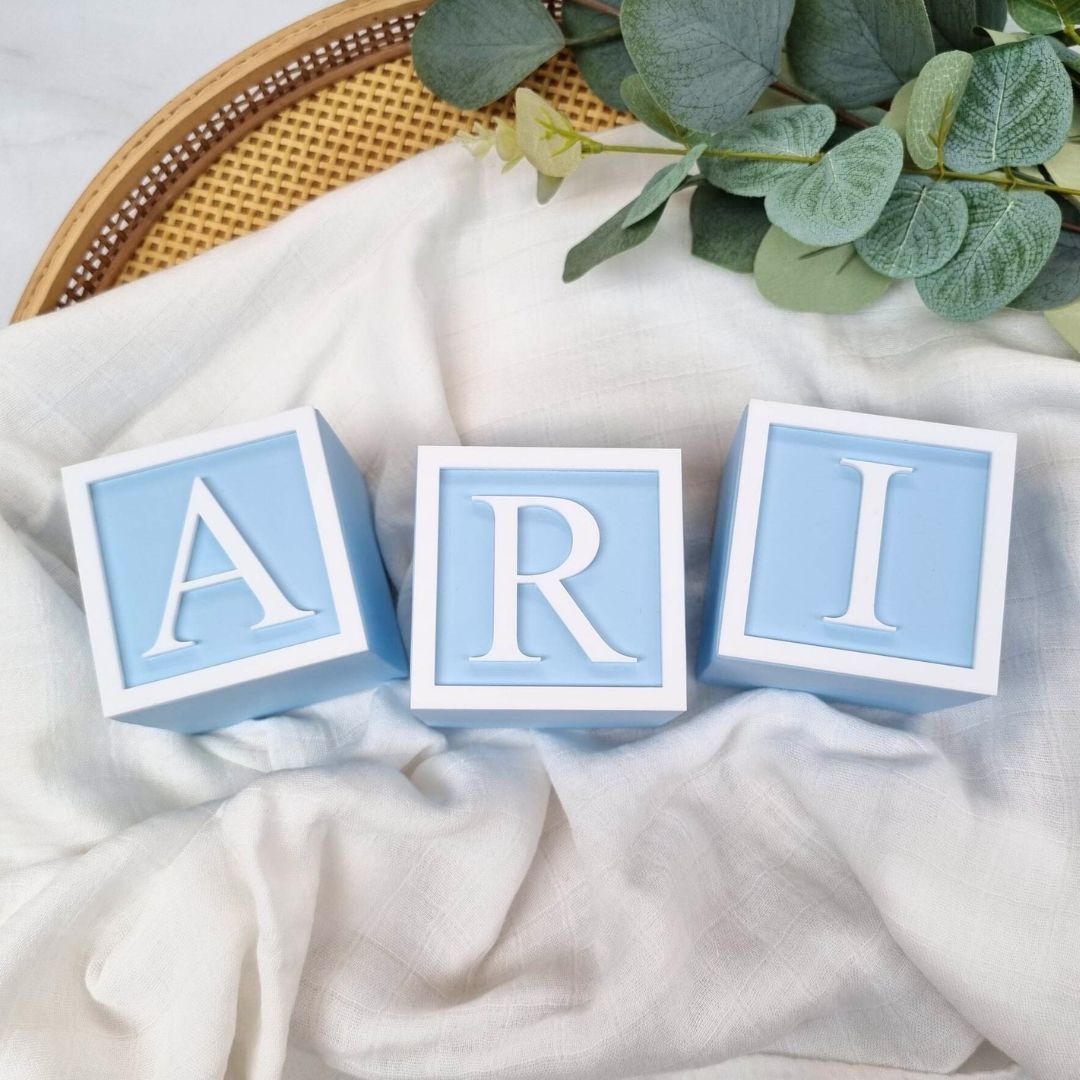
(955, 24)
(1045, 16)
(1004, 37)
(858, 52)
(727, 229)
(1015, 111)
(609, 240)
(897, 116)
(840, 197)
(1010, 236)
(661, 187)
(471, 52)
(920, 229)
(800, 130)
(603, 64)
(802, 277)
(546, 137)
(1066, 321)
(546, 186)
(937, 94)
(643, 105)
(705, 62)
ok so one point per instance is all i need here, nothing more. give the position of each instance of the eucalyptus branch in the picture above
(1010, 181)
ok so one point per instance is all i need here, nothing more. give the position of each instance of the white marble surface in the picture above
(77, 77)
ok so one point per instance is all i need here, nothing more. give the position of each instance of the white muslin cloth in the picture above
(812, 891)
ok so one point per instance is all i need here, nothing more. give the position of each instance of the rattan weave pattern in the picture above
(351, 128)
(100, 266)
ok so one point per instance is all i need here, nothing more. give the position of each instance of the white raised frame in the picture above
(733, 642)
(118, 699)
(428, 695)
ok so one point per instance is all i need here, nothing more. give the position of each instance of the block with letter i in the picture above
(231, 574)
(860, 557)
(548, 587)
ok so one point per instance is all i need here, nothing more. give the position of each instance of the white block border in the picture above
(669, 697)
(117, 699)
(982, 677)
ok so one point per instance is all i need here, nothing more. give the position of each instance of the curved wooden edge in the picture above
(169, 125)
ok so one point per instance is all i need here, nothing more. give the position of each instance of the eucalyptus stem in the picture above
(848, 118)
(594, 146)
(1070, 32)
(607, 34)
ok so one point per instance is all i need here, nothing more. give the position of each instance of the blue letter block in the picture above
(548, 587)
(230, 575)
(860, 557)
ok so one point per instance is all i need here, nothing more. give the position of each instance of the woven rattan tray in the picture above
(322, 102)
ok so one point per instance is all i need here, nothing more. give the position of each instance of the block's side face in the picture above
(853, 689)
(365, 560)
(268, 696)
(251, 497)
(718, 562)
(929, 545)
(613, 596)
(545, 718)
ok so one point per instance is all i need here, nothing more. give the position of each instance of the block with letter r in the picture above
(231, 574)
(860, 557)
(548, 587)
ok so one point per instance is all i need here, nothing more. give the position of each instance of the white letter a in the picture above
(202, 506)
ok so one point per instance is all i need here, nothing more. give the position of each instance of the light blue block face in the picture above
(619, 592)
(860, 566)
(930, 553)
(230, 575)
(139, 517)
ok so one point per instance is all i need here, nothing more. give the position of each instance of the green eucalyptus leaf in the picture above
(919, 231)
(897, 116)
(1015, 111)
(643, 105)
(546, 186)
(804, 277)
(840, 197)
(609, 240)
(705, 62)
(800, 130)
(603, 64)
(1058, 282)
(471, 52)
(727, 229)
(955, 24)
(1064, 166)
(1067, 54)
(661, 187)
(934, 102)
(991, 14)
(858, 52)
(1045, 16)
(1009, 239)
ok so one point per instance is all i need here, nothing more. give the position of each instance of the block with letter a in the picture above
(860, 557)
(548, 587)
(231, 574)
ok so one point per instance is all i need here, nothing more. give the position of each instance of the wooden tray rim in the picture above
(171, 124)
